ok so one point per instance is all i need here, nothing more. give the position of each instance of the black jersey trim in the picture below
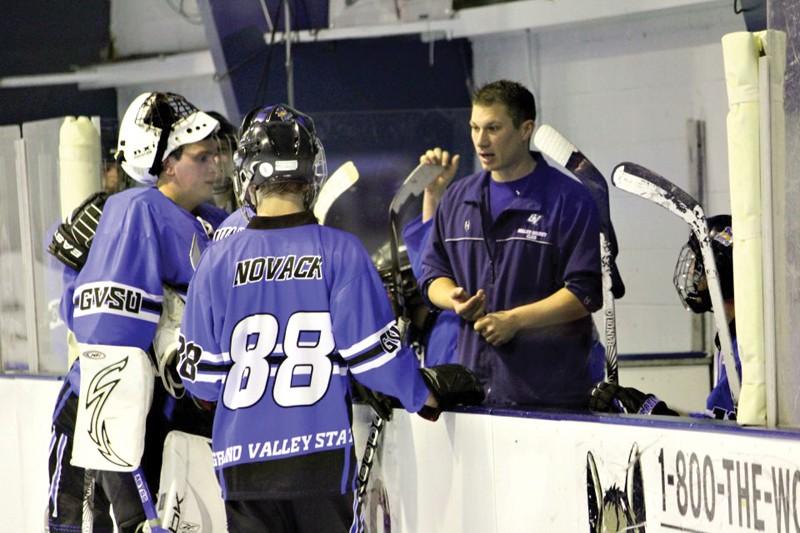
(150, 305)
(214, 368)
(369, 354)
(304, 475)
(285, 221)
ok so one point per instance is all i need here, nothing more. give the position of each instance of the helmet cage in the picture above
(689, 279)
(689, 276)
(153, 127)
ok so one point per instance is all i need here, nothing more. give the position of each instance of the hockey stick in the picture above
(342, 179)
(414, 185)
(375, 431)
(147, 502)
(647, 184)
(87, 516)
(551, 143)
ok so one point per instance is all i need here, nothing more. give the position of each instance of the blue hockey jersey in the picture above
(235, 223)
(143, 242)
(276, 318)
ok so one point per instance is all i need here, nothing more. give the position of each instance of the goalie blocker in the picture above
(73, 238)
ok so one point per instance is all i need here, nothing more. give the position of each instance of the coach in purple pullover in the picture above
(514, 251)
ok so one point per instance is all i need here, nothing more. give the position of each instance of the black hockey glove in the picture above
(72, 239)
(380, 403)
(451, 385)
(612, 398)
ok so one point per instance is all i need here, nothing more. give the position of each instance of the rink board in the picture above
(502, 472)
(482, 473)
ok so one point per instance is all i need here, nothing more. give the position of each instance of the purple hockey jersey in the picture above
(143, 242)
(277, 317)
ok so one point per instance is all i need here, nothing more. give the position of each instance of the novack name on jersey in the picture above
(277, 268)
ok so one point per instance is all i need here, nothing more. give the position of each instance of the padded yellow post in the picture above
(741, 52)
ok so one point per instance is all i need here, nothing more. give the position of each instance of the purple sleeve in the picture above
(368, 340)
(580, 251)
(202, 365)
(416, 235)
(118, 292)
(435, 261)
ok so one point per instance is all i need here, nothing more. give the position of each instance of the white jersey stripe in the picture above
(212, 358)
(365, 343)
(374, 362)
(453, 239)
(209, 377)
(524, 239)
(145, 315)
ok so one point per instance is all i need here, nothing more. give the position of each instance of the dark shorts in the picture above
(318, 514)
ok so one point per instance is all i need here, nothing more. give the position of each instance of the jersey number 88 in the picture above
(255, 337)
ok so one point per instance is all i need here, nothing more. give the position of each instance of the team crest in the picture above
(616, 508)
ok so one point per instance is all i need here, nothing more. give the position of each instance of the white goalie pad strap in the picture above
(115, 396)
(168, 331)
(189, 497)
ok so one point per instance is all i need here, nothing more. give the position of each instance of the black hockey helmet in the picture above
(278, 144)
(690, 275)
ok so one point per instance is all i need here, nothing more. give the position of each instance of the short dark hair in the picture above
(283, 187)
(518, 100)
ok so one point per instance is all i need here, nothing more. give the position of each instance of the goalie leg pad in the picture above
(115, 397)
(190, 498)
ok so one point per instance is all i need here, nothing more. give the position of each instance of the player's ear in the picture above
(527, 128)
(169, 166)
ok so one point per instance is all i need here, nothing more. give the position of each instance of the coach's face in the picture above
(501, 147)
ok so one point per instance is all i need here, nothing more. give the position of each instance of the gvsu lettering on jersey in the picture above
(109, 297)
(278, 268)
(390, 340)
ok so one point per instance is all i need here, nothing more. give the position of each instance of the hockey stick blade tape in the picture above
(548, 141)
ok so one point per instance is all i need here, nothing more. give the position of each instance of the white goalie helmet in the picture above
(154, 125)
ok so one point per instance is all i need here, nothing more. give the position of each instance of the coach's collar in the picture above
(283, 221)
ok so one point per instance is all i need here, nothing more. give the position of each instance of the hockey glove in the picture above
(380, 403)
(451, 385)
(612, 398)
(73, 238)
(167, 342)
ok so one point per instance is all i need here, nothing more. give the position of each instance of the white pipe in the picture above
(767, 246)
(122, 73)
(28, 246)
